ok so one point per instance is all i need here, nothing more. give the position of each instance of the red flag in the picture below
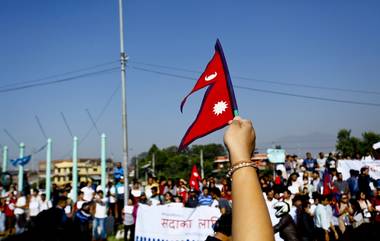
(218, 105)
(195, 178)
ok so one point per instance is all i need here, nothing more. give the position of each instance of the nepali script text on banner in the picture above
(344, 167)
(173, 223)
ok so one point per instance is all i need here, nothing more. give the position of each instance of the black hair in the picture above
(224, 224)
(216, 191)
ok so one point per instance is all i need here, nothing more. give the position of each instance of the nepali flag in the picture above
(21, 161)
(218, 105)
(195, 178)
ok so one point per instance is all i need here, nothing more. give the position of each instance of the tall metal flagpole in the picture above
(123, 62)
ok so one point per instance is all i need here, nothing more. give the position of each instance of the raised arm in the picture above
(250, 217)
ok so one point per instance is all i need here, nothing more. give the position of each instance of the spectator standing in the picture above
(182, 190)
(321, 162)
(289, 167)
(118, 172)
(119, 199)
(78, 205)
(111, 198)
(205, 199)
(168, 198)
(278, 184)
(2, 216)
(10, 218)
(53, 224)
(99, 225)
(364, 180)
(310, 163)
(345, 213)
(44, 204)
(34, 207)
(305, 223)
(352, 182)
(341, 185)
(148, 188)
(316, 182)
(82, 221)
(293, 184)
(323, 220)
(287, 197)
(192, 201)
(156, 198)
(376, 205)
(331, 163)
(88, 191)
(223, 204)
(162, 185)
(365, 206)
(20, 207)
(170, 187)
(203, 184)
(286, 226)
(129, 221)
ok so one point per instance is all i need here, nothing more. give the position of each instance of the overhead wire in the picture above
(99, 116)
(58, 75)
(32, 85)
(263, 90)
(262, 80)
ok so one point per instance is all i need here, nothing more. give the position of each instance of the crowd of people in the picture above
(320, 203)
(98, 214)
(307, 200)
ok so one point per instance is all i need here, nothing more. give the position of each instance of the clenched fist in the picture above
(240, 140)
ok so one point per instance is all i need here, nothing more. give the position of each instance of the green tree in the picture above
(171, 163)
(350, 146)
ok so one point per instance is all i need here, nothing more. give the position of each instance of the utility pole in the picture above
(123, 62)
(5, 159)
(48, 170)
(21, 169)
(75, 168)
(202, 171)
(154, 163)
(103, 162)
(137, 169)
(5, 163)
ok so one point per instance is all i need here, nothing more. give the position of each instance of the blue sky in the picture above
(323, 43)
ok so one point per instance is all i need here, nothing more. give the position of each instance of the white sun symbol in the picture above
(220, 107)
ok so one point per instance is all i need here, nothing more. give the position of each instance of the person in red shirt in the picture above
(376, 205)
(10, 218)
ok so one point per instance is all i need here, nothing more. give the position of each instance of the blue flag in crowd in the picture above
(21, 161)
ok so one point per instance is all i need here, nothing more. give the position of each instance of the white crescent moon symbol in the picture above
(211, 76)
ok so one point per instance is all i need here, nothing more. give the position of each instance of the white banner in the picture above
(171, 223)
(344, 167)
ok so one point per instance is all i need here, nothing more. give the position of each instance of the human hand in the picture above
(336, 235)
(240, 140)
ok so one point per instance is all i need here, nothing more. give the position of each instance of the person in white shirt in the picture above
(270, 201)
(20, 213)
(80, 201)
(323, 219)
(129, 221)
(88, 192)
(44, 204)
(34, 206)
(321, 162)
(111, 196)
(99, 225)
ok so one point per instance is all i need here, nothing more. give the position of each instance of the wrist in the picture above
(236, 158)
